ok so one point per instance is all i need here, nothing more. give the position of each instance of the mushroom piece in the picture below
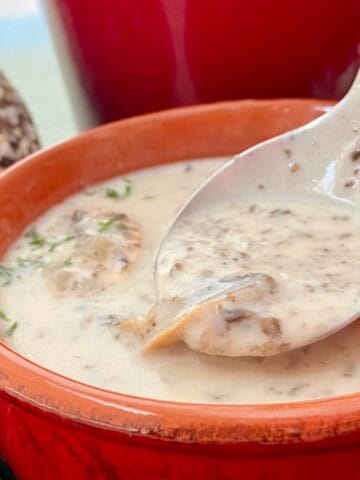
(105, 247)
(232, 323)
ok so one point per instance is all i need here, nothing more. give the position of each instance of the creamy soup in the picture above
(259, 278)
(74, 287)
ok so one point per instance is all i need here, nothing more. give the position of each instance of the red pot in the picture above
(54, 428)
(125, 57)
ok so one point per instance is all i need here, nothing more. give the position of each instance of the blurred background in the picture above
(27, 58)
(124, 57)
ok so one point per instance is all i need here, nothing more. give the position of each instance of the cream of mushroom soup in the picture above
(260, 278)
(76, 291)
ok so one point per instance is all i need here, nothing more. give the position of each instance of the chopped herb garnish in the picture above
(54, 245)
(26, 262)
(4, 317)
(128, 190)
(68, 262)
(21, 261)
(5, 270)
(112, 222)
(115, 195)
(112, 193)
(148, 197)
(6, 275)
(105, 225)
(35, 238)
(11, 329)
(38, 264)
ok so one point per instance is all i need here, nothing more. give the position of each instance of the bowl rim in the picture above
(36, 386)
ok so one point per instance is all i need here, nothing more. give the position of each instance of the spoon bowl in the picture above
(283, 167)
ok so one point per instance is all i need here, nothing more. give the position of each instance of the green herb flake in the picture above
(38, 264)
(26, 262)
(54, 245)
(6, 275)
(68, 262)
(148, 197)
(5, 270)
(115, 195)
(35, 238)
(127, 192)
(4, 317)
(112, 193)
(105, 225)
(21, 262)
(11, 329)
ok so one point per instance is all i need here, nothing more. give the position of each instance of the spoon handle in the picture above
(344, 118)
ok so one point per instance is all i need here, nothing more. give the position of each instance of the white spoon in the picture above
(328, 150)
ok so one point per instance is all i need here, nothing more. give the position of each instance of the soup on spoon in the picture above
(282, 213)
(257, 278)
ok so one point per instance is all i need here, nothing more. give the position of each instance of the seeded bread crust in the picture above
(18, 136)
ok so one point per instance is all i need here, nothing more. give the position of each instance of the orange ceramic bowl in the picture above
(56, 428)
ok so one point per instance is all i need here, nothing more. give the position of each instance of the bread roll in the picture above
(18, 137)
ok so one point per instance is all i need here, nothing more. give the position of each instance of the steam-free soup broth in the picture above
(78, 296)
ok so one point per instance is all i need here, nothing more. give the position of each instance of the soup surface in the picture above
(258, 278)
(78, 278)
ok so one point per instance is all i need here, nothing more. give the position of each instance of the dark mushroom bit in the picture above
(217, 326)
(102, 246)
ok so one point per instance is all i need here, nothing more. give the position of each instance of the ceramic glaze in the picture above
(65, 429)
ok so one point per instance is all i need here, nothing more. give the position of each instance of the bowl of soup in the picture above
(81, 223)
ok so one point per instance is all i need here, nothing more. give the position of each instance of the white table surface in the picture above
(28, 60)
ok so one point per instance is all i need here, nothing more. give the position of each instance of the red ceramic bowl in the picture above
(124, 57)
(54, 428)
